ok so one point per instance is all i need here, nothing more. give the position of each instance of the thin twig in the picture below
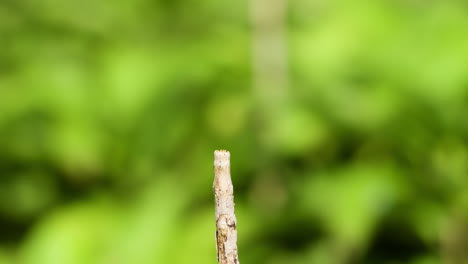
(226, 232)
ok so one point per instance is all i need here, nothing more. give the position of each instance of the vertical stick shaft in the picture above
(226, 230)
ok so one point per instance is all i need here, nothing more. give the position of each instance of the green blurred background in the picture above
(346, 121)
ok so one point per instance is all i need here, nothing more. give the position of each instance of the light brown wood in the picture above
(226, 223)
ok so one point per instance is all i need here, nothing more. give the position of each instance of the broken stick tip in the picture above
(222, 154)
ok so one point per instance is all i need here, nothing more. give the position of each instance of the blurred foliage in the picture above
(110, 112)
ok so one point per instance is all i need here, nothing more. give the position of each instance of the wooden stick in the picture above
(226, 232)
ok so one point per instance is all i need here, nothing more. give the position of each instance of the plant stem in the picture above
(226, 232)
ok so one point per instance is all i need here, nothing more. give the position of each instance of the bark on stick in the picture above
(226, 230)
